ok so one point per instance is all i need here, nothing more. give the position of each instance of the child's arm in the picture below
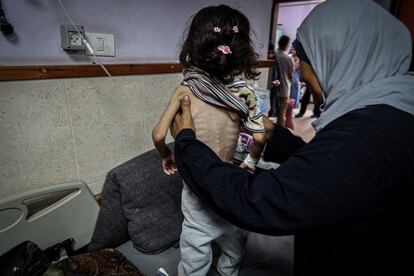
(268, 126)
(253, 157)
(160, 131)
(259, 141)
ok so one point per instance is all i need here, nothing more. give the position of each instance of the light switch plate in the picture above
(102, 44)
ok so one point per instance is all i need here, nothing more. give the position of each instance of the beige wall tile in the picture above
(157, 91)
(108, 124)
(96, 187)
(51, 135)
(36, 144)
(263, 77)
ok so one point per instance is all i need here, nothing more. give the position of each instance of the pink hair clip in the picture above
(235, 29)
(224, 49)
(217, 29)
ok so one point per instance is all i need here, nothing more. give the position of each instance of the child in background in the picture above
(217, 49)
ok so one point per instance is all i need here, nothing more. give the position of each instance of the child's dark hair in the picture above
(214, 26)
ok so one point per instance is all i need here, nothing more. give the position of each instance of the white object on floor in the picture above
(161, 272)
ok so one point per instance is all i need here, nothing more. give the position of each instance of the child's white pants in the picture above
(200, 227)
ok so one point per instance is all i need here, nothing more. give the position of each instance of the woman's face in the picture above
(308, 76)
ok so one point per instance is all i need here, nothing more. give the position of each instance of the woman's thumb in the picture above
(186, 118)
(186, 104)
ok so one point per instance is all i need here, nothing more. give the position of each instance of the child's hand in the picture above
(168, 165)
(247, 168)
(276, 83)
(249, 163)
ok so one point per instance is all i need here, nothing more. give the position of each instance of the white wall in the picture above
(145, 30)
(291, 15)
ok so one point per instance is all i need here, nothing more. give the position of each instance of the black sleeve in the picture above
(247, 200)
(281, 145)
(323, 184)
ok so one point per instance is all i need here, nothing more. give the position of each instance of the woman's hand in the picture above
(183, 119)
(247, 168)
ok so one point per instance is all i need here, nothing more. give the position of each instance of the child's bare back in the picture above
(217, 127)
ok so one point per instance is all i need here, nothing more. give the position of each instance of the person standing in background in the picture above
(271, 50)
(296, 83)
(304, 105)
(286, 66)
(274, 76)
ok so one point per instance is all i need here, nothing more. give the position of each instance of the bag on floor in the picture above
(24, 259)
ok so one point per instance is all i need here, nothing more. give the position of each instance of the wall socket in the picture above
(70, 38)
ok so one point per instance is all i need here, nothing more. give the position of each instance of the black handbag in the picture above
(24, 259)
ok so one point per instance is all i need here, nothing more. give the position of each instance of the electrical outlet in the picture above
(75, 39)
(70, 37)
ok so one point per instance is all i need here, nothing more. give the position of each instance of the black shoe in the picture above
(299, 115)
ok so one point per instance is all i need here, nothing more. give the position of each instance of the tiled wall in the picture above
(55, 131)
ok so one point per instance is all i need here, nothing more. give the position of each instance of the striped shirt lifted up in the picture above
(236, 96)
